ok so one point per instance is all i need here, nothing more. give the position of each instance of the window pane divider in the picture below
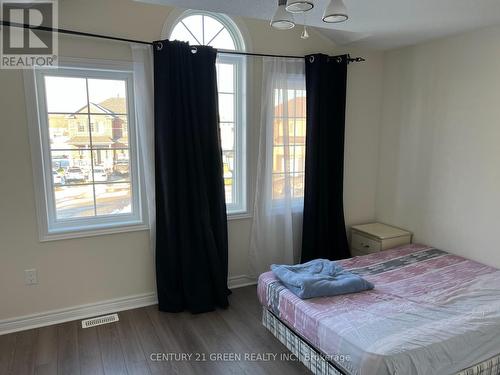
(87, 113)
(195, 38)
(216, 35)
(96, 183)
(91, 153)
(90, 149)
(203, 28)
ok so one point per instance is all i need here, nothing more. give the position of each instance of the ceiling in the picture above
(378, 24)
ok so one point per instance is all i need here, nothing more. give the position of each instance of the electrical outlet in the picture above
(30, 277)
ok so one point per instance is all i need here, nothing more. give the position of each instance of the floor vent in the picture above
(100, 320)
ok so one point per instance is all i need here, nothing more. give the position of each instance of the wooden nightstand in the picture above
(375, 237)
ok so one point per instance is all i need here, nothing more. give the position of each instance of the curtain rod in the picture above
(92, 35)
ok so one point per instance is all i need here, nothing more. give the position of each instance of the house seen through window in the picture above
(289, 143)
(89, 146)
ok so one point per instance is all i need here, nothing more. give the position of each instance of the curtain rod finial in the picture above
(356, 59)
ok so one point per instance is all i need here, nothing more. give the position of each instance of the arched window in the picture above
(219, 31)
(208, 29)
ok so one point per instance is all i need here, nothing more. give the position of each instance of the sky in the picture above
(69, 94)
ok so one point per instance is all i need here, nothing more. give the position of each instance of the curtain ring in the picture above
(194, 49)
(338, 60)
(159, 46)
(311, 59)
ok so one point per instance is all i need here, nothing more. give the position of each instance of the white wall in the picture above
(439, 170)
(88, 270)
(363, 112)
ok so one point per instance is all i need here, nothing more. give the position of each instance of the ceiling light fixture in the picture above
(299, 6)
(282, 20)
(335, 12)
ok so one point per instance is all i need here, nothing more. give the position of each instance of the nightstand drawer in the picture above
(366, 245)
(374, 237)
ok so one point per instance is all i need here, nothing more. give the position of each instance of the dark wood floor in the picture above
(126, 347)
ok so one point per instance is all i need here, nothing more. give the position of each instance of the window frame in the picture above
(49, 227)
(225, 20)
(239, 208)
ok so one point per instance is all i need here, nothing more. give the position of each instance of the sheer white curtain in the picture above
(277, 218)
(142, 56)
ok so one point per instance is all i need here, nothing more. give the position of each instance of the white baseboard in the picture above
(76, 312)
(240, 281)
(51, 317)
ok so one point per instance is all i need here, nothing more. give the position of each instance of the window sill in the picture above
(65, 235)
(238, 216)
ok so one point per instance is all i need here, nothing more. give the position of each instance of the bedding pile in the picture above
(319, 278)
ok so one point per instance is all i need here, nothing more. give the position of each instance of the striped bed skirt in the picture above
(318, 364)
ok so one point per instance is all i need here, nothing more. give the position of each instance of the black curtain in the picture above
(324, 232)
(191, 222)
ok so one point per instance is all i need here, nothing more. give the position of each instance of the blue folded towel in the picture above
(319, 278)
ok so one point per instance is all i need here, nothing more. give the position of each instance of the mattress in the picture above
(431, 312)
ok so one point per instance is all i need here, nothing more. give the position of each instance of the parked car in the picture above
(74, 174)
(85, 166)
(57, 178)
(121, 167)
(100, 174)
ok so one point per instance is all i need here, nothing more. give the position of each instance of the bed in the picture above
(431, 312)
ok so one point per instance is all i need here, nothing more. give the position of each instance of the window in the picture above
(85, 128)
(289, 141)
(218, 31)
